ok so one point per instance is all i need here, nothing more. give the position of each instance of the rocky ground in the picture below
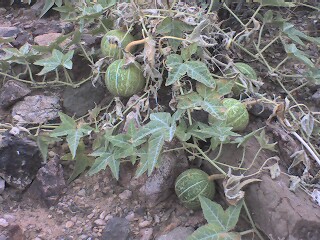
(99, 207)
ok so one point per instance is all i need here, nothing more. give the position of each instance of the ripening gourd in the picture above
(124, 80)
(236, 114)
(191, 184)
(111, 41)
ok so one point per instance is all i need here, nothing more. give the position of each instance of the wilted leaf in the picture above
(307, 124)
(293, 51)
(263, 141)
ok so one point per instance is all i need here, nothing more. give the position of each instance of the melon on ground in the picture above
(110, 41)
(191, 184)
(236, 115)
(124, 81)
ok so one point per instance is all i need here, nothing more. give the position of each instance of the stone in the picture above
(49, 184)
(100, 222)
(20, 160)
(2, 185)
(46, 39)
(146, 234)
(37, 109)
(160, 184)
(3, 222)
(144, 224)
(125, 195)
(116, 228)
(278, 212)
(82, 193)
(69, 224)
(78, 101)
(179, 233)
(11, 92)
(9, 31)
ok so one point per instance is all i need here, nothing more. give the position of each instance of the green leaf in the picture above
(246, 70)
(199, 71)
(233, 213)
(181, 132)
(213, 107)
(268, 17)
(73, 140)
(189, 101)
(100, 163)
(43, 142)
(219, 131)
(48, 4)
(155, 145)
(174, 28)
(215, 215)
(57, 59)
(82, 161)
(175, 73)
(276, 3)
(263, 141)
(72, 130)
(224, 86)
(143, 163)
(210, 232)
(187, 52)
(296, 35)
(174, 60)
(293, 51)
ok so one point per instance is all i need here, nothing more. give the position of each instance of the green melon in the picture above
(236, 114)
(191, 184)
(124, 81)
(110, 49)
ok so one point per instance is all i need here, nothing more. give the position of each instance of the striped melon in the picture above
(191, 184)
(124, 81)
(236, 114)
(112, 40)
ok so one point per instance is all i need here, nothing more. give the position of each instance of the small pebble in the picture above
(144, 224)
(125, 195)
(69, 224)
(3, 222)
(90, 216)
(74, 219)
(146, 234)
(130, 216)
(102, 215)
(108, 217)
(51, 154)
(9, 218)
(37, 238)
(82, 193)
(100, 222)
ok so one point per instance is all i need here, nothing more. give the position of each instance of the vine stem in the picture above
(306, 146)
(251, 220)
(207, 158)
(135, 43)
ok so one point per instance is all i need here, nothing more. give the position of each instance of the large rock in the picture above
(49, 184)
(20, 160)
(6, 31)
(37, 109)
(277, 211)
(179, 233)
(160, 184)
(77, 101)
(116, 228)
(11, 92)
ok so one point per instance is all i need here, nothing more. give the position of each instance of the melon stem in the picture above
(135, 43)
(216, 177)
